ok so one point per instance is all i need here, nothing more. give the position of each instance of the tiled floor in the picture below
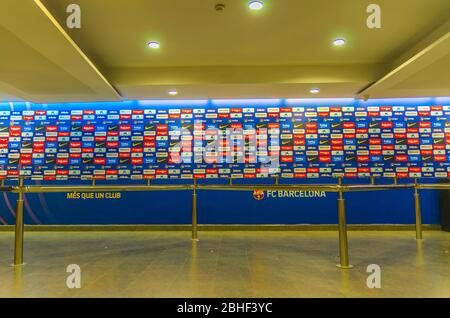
(226, 264)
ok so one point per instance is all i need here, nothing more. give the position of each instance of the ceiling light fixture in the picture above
(219, 7)
(314, 90)
(339, 42)
(172, 92)
(153, 45)
(255, 5)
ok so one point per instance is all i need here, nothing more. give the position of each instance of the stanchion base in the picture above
(17, 265)
(344, 267)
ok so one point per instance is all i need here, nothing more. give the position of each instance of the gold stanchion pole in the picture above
(372, 180)
(418, 212)
(194, 211)
(277, 180)
(18, 242)
(343, 242)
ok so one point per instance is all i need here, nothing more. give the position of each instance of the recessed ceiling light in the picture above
(256, 5)
(153, 45)
(339, 42)
(219, 7)
(314, 90)
(172, 92)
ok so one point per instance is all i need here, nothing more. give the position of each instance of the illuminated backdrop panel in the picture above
(238, 139)
(40, 133)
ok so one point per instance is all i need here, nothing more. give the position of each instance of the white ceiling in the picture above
(280, 52)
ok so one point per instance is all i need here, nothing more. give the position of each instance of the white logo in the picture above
(296, 194)
(74, 279)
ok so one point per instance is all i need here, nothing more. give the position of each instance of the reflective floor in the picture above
(226, 264)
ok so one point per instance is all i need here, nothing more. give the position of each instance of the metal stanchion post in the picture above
(417, 211)
(18, 241)
(277, 180)
(194, 211)
(343, 242)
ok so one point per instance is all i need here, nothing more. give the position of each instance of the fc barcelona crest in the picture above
(258, 194)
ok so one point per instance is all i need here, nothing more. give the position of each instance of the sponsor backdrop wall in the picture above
(311, 140)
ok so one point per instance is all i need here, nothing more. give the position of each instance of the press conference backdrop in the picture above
(312, 140)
